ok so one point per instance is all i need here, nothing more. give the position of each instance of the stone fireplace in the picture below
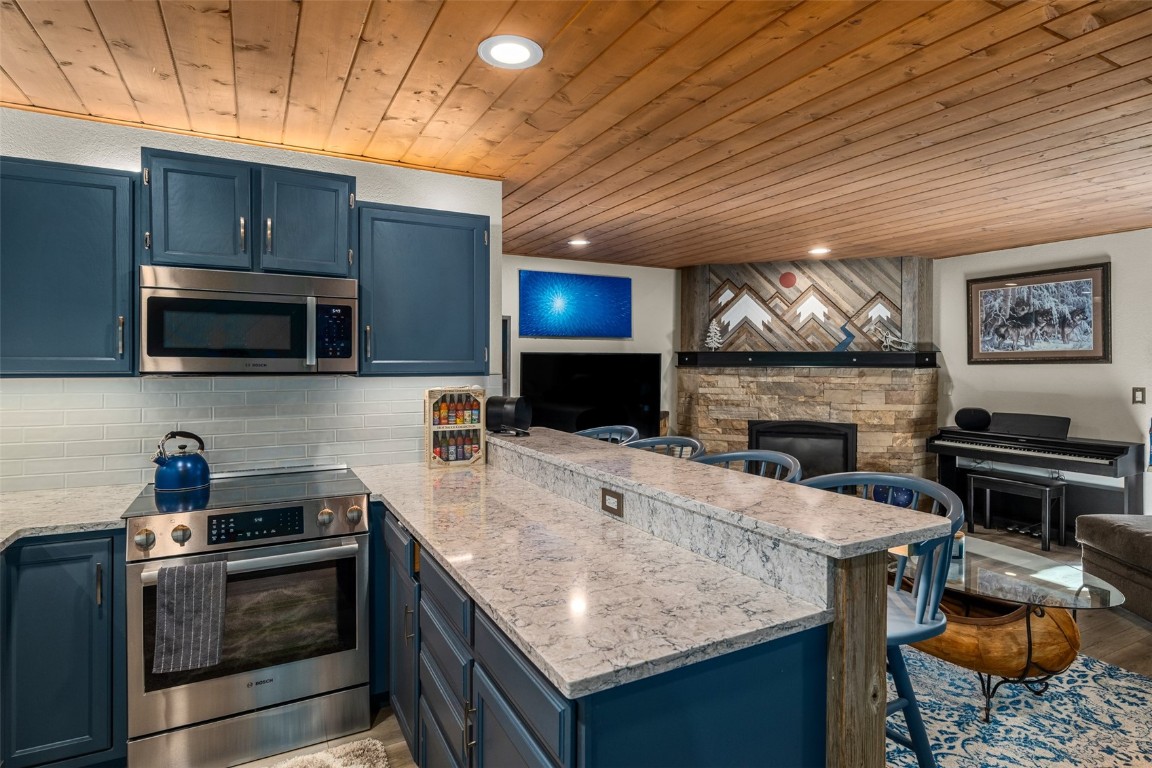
(893, 408)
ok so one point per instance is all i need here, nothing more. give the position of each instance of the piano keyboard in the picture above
(1022, 451)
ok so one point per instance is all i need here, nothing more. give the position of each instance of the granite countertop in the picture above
(63, 510)
(592, 601)
(830, 524)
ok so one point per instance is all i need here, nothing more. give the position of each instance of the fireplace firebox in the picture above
(823, 448)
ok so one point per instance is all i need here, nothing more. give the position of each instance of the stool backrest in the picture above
(914, 493)
(774, 464)
(617, 433)
(671, 445)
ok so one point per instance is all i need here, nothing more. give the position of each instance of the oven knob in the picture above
(144, 539)
(325, 518)
(181, 534)
(354, 514)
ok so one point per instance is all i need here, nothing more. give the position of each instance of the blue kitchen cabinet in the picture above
(198, 211)
(226, 214)
(65, 269)
(502, 741)
(62, 652)
(445, 672)
(403, 629)
(304, 222)
(377, 607)
(709, 713)
(424, 287)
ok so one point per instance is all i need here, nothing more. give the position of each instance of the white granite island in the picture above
(706, 569)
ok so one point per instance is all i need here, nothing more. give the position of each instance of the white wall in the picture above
(58, 432)
(655, 317)
(1097, 397)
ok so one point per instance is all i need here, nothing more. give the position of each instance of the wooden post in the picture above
(694, 307)
(916, 299)
(857, 692)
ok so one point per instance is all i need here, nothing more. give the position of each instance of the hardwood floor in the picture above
(1114, 635)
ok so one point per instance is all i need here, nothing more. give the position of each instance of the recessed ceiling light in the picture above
(578, 242)
(510, 52)
(819, 251)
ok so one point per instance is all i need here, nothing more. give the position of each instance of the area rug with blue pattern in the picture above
(1093, 714)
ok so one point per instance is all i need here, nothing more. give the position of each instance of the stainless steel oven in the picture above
(215, 321)
(293, 660)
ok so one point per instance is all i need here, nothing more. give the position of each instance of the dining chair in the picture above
(912, 615)
(680, 446)
(774, 464)
(617, 433)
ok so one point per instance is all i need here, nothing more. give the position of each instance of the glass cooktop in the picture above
(238, 490)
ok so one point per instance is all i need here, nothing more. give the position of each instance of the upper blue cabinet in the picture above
(423, 291)
(224, 214)
(65, 269)
(200, 211)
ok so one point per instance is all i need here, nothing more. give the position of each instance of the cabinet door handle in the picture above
(120, 336)
(368, 342)
(268, 235)
(243, 235)
(99, 583)
(407, 622)
(466, 740)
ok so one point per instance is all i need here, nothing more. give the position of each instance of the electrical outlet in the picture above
(1139, 396)
(612, 502)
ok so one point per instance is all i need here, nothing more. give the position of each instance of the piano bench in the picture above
(1048, 491)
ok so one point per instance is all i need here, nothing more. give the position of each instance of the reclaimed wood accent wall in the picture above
(859, 304)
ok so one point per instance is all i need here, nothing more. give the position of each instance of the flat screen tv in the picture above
(571, 391)
(562, 305)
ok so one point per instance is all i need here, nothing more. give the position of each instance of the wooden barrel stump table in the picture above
(1012, 616)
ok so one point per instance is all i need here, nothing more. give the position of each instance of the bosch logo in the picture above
(255, 365)
(260, 682)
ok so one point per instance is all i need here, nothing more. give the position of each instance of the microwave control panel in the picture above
(333, 331)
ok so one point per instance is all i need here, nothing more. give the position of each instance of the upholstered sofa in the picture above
(1118, 549)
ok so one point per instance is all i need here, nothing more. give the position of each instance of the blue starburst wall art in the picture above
(562, 305)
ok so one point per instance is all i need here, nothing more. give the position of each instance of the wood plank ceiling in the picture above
(667, 133)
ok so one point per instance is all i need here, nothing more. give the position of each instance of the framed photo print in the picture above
(1055, 316)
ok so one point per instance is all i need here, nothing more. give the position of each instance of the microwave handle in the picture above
(274, 561)
(310, 351)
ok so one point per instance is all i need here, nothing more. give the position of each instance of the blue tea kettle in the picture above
(181, 471)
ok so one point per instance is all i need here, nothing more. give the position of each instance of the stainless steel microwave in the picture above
(212, 321)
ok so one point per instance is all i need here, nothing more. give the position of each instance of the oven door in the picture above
(295, 625)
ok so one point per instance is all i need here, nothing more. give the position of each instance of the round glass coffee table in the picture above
(1012, 615)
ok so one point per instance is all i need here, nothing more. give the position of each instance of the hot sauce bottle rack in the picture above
(454, 426)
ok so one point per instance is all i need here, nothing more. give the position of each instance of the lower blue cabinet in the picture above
(478, 702)
(403, 644)
(62, 652)
(377, 606)
(435, 751)
(502, 741)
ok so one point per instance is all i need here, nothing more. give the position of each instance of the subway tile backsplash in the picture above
(71, 433)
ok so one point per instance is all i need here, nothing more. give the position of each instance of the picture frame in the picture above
(1051, 316)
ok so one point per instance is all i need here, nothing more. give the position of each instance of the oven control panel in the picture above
(253, 525)
(186, 533)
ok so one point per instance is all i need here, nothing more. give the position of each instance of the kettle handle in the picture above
(177, 433)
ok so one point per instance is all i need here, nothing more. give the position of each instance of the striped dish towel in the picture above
(189, 616)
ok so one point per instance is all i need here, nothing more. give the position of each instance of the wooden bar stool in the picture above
(1046, 490)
